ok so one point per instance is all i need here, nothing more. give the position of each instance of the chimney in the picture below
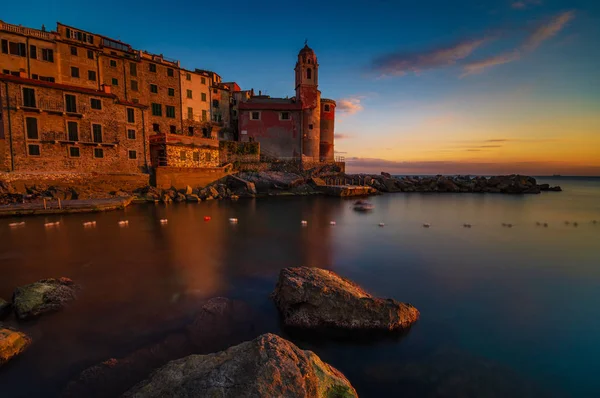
(259, 93)
(106, 88)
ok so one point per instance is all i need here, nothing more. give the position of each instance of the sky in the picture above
(422, 87)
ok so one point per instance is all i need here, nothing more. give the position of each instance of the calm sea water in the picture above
(504, 311)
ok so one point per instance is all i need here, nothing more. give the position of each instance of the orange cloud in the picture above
(350, 105)
(478, 66)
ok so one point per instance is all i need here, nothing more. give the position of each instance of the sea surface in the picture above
(504, 311)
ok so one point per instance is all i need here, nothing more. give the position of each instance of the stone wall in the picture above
(185, 156)
(180, 177)
(116, 153)
(235, 151)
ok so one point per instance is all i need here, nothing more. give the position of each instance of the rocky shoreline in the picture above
(279, 183)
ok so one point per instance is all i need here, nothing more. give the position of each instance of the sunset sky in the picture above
(423, 87)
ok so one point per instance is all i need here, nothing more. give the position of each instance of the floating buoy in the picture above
(51, 224)
(426, 225)
(331, 222)
(16, 224)
(89, 224)
(381, 224)
(164, 221)
(124, 223)
(304, 223)
(233, 220)
(206, 218)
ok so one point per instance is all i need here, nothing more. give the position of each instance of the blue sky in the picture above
(423, 86)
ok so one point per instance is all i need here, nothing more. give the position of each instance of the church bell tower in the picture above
(309, 96)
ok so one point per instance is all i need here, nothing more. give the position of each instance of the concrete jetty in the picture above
(66, 207)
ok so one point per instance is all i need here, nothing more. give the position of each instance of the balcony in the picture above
(108, 139)
(49, 106)
(27, 31)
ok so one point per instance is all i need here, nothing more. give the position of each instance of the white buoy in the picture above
(381, 224)
(89, 224)
(426, 225)
(49, 225)
(304, 223)
(331, 222)
(123, 223)
(16, 224)
(164, 221)
(233, 220)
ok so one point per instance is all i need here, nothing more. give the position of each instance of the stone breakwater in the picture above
(269, 183)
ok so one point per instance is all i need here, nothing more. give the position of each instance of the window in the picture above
(98, 153)
(208, 156)
(32, 128)
(115, 82)
(134, 85)
(284, 116)
(29, 97)
(96, 103)
(18, 49)
(215, 103)
(71, 103)
(131, 134)
(190, 113)
(4, 46)
(189, 93)
(203, 115)
(182, 155)
(115, 44)
(171, 92)
(156, 127)
(309, 73)
(188, 76)
(156, 109)
(152, 68)
(47, 79)
(310, 126)
(74, 151)
(154, 88)
(326, 108)
(33, 52)
(133, 69)
(73, 131)
(170, 111)
(173, 129)
(191, 131)
(90, 54)
(113, 63)
(203, 97)
(74, 72)
(130, 115)
(47, 54)
(215, 91)
(234, 113)
(74, 51)
(255, 116)
(196, 156)
(169, 72)
(96, 133)
(92, 75)
(202, 80)
(34, 76)
(132, 154)
(33, 150)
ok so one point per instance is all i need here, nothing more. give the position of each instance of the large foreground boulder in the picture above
(315, 298)
(12, 343)
(267, 366)
(43, 296)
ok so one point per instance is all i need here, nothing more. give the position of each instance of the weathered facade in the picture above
(301, 127)
(55, 127)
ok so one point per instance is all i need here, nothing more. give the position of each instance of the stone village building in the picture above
(73, 100)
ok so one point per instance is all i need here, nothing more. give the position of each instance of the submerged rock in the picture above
(12, 343)
(44, 296)
(267, 366)
(4, 308)
(315, 298)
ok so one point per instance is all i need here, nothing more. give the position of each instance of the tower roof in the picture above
(306, 50)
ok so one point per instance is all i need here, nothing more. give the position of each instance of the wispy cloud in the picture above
(546, 31)
(349, 105)
(523, 4)
(343, 136)
(542, 33)
(398, 64)
(497, 140)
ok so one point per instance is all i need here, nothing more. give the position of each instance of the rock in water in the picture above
(4, 308)
(44, 296)
(316, 298)
(267, 366)
(12, 344)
